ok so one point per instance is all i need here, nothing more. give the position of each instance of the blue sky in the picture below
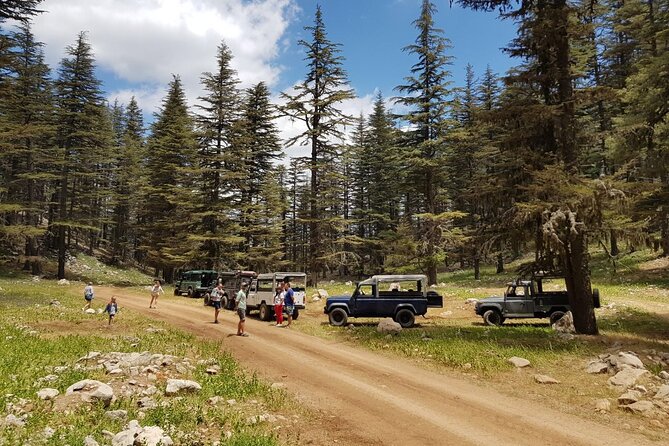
(139, 44)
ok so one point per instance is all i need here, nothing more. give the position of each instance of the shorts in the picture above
(88, 298)
(216, 304)
(289, 309)
(241, 312)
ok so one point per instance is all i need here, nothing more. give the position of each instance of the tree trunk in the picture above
(477, 268)
(664, 233)
(614, 243)
(500, 263)
(577, 277)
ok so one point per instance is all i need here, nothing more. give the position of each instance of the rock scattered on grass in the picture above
(519, 362)
(47, 394)
(92, 391)
(596, 367)
(12, 420)
(545, 379)
(90, 441)
(389, 326)
(603, 406)
(629, 397)
(640, 407)
(63, 282)
(662, 393)
(177, 386)
(119, 415)
(565, 324)
(626, 377)
(135, 434)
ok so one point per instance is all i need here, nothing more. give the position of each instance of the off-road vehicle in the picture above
(404, 298)
(263, 289)
(528, 299)
(195, 283)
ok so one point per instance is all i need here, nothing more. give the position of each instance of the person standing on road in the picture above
(88, 295)
(112, 309)
(240, 306)
(289, 301)
(278, 305)
(156, 290)
(215, 298)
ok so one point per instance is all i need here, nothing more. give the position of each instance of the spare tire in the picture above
(595, 298)
(556, 316)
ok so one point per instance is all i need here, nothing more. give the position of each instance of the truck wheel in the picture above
(338, 317)
(263, 312)
(493, 317)
(177, 292)
(296, 313)
(189, 293)
(405, 318)
(595, 298)
(556, 316)
(206, 299)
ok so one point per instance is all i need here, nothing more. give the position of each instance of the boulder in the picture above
(47, 394)
(603, 406)
(471, 301)
(629, 397)
(596, 367)
(519, 362)
(90, 311)
(545, 379)
(662, 393)
(348, 283)
(315, 298)
(389, 326)
(153, 436)
(14, 421)
(176, 386)
(63, 282)
(640, 407)
(627, 377)
(628, 359)
(323, 294)
(147, 403)
(91, 391)
(565, 324)
(664, 375)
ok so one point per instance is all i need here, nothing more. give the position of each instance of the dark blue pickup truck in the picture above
(404, 297)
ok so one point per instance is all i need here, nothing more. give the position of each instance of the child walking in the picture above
(155, 291)
(88, 295)
(112, 309)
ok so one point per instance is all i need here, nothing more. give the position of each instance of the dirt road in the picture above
(363, 398)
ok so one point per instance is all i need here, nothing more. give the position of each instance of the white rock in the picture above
(55, 303)
(387, 325)
(176, 386)
(89, 356)
(565, 324)
(596, 367)
(278, 385)
(90, 441)
(63, 282)
(47, 393)
(213, 370)
(629, 397)
(48, 432)
(519, 362)
(545, 379)
(231, 402)
(348, 283)
(662, 393)
(627, 377)
(147, 403)
(640, 407)
(90, 311)
(323, 293)
(471, 301)
(153, 436)
(445, 314)
(13, 420)
(603, 405)
(629, 359)
(315, 298)
(664, 375)
(91, 391)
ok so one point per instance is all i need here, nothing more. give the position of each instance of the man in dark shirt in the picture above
(289, 301)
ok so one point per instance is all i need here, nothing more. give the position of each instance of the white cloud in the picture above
(146, 41)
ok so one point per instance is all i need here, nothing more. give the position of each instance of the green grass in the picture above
(35, 338)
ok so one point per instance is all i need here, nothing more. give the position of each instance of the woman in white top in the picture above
(278, 305)
(156, 290)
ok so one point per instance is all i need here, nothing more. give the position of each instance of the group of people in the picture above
(112, 307)
(283, 301)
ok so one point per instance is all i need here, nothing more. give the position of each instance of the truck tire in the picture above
(296, 313)
(493, 318)
(189, 292)
(263, 312)
(177, 292)
(338, 317)
(405, 318)
(556, 316)
(595, 298)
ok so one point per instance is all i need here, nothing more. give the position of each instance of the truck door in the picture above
(517, 301)
(366, 301)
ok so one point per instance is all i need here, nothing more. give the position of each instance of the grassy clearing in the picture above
(36, 337)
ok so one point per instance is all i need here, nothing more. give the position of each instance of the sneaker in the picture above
(246, 335)
(215, 322)
(278, 325)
